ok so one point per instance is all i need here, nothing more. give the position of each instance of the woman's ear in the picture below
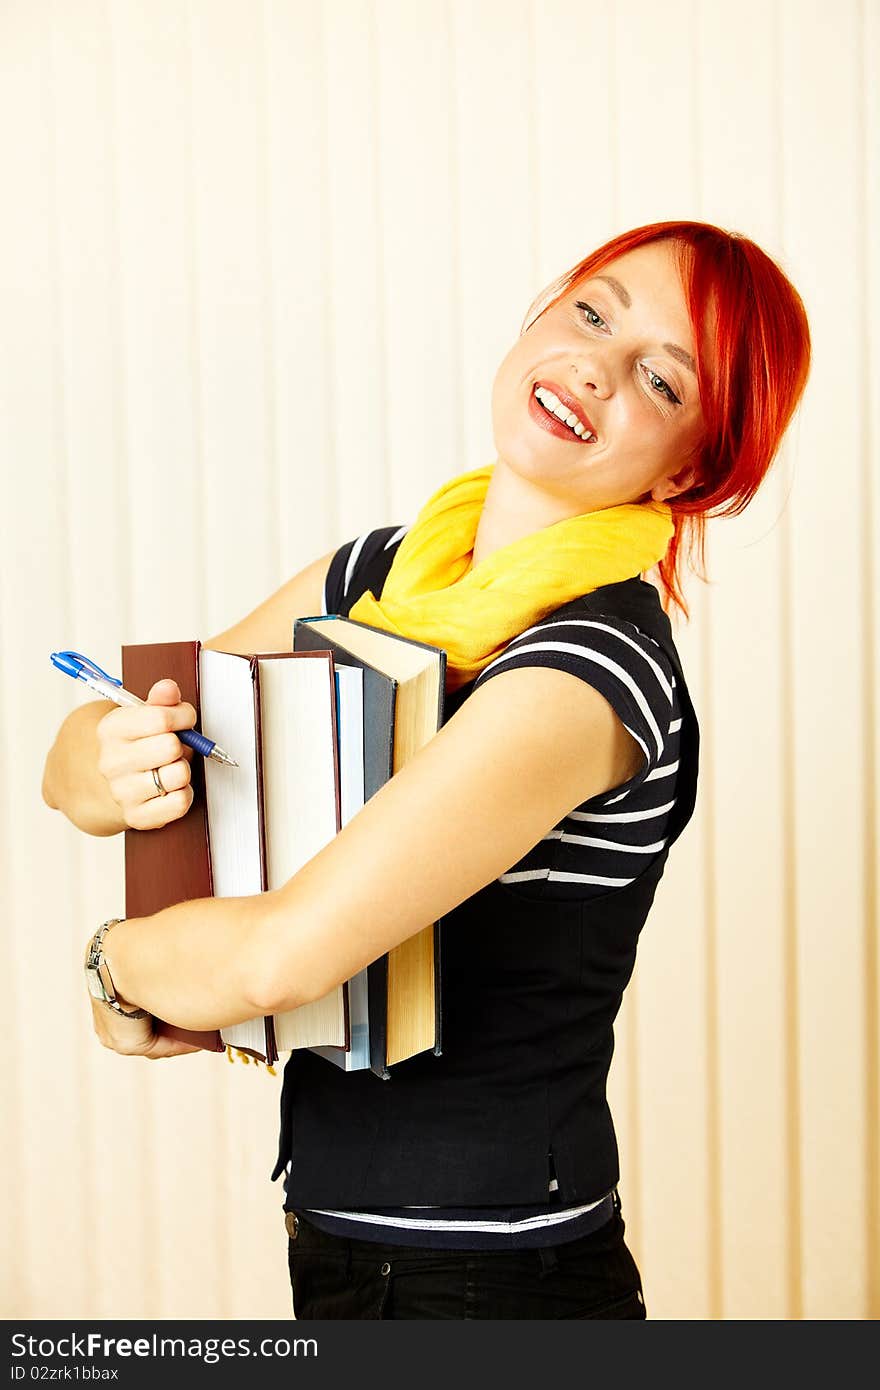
(678, 482)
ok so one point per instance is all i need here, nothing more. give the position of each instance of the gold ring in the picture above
(157, 779)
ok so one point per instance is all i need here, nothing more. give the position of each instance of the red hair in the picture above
(761, 350)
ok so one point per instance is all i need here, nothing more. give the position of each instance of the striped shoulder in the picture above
(624, 664)
(358, 565)
(605, 843)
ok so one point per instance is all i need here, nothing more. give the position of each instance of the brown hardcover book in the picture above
(173, 864)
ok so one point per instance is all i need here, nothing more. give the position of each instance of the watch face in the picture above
(95, 984)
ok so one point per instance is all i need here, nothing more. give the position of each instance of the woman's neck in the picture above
(513, 508)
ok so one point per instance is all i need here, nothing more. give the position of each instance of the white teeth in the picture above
(554, 406)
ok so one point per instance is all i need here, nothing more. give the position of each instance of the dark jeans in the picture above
(337, 1277)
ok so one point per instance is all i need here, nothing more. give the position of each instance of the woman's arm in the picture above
(72, 782)
(522, 751)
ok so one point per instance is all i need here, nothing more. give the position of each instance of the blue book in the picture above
(350, 744)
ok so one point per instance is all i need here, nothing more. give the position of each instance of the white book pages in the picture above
(250, 1034)
(226, 696)
(299, 808)
(299, 784)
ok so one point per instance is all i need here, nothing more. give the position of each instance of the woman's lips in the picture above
(550, 422)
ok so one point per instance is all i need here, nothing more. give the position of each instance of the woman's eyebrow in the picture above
(622, 294)
(624, 297)
(682, 356)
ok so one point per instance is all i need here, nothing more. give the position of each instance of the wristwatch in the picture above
(98, 971)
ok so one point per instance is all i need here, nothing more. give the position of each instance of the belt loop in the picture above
(548, 1258)
(616, 1195)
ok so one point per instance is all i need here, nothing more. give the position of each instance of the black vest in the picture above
(530, 991)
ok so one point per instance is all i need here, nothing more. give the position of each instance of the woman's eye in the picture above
(579, 304)
(664, 388)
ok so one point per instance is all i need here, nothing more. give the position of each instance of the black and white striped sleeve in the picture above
(606, 842)
(350, 571)
(627, 667)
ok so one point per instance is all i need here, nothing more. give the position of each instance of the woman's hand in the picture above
(132, 741)
(133, 1037)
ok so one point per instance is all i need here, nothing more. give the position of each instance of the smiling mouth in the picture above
(556, 416)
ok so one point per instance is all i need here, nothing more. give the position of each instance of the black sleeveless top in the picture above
(505, 1140)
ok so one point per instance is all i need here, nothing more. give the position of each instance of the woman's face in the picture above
(616, 348)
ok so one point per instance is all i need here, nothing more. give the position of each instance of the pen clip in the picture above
(74, 664)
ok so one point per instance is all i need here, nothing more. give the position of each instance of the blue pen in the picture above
(76, 665)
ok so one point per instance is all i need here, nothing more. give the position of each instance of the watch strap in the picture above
(95, 979)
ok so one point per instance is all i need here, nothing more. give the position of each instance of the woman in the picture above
(650, 384)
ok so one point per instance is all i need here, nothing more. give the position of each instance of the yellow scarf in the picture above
(432, 595)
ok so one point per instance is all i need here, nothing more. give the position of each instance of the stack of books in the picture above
(316, 731)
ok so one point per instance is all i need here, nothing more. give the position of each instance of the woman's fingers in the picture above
(156, 810)
(127, 756)
(169, 1047)
(134, 1037)
(173, 776)
(135, 740)
(133, 722)
(164, 692)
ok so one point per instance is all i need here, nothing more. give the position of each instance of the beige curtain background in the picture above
(260, 260)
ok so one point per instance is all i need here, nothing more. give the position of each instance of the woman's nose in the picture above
(593, 375)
